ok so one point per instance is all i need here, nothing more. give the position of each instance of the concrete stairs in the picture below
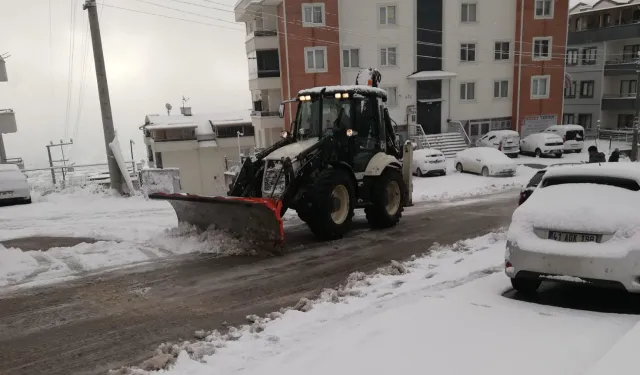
(449, 143)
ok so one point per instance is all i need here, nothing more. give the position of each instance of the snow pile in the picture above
(20, 268)
(463, 185)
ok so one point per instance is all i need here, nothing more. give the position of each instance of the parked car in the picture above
(542, 144)
(506, 141)
(486, 161)
(13, 185)
(428, 162)
(572, 136)
(526, 192)
(581, 225)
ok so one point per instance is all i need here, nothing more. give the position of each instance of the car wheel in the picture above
(459, 167)
(538, 153)
(578, 151)
(558, 155)
(526, 286)
(485, 171)
(419, 172)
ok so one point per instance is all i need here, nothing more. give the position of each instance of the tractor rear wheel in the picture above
(387, 198)
(333, 201)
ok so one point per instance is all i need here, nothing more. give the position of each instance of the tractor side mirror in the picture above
(281, 110)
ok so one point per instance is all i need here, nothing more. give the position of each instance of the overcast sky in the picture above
(150, 61)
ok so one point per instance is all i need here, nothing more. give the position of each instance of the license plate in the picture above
(572, 237)
(6, 193)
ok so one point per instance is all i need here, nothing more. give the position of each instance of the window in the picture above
(630, 52)
(468, 12)
(467, 91)
(568, 118)
(618, 182)
(388, 56)
(313, 14)
(540, 87)
(572, 57)
(625, 121)
(570, 92)
(544, 9)
(585, 119)
(468, 52)
(500, 89)
(392, 95)
(315, 59)
(501, 51)
(351, 58)
(542, 48)
(388, 15)
(628, 88)
(589, 56)
(586, 89)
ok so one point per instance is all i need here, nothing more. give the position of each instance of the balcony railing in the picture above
(601, 34)
(265, 33)
(268, 73)
(265, 113)
(620, 67)
(624, 101)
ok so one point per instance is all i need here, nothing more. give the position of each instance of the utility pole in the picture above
(634, 140)
(103, 92)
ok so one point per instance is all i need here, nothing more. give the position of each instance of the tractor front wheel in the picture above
(333, 201)
(387, 198)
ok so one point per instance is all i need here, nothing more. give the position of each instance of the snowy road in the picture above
(118, 318)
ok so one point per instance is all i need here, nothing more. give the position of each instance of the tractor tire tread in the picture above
(319, 218)
(376, 214)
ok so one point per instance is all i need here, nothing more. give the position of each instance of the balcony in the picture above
(245, 10)
(262, 40)
(619, 102)
(265, 80)
(607, 33)
(8, 121)
(620, 67)
(267, 120)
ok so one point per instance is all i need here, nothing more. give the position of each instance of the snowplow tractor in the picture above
(340, 154)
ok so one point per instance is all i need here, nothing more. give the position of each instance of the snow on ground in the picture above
(443, 313)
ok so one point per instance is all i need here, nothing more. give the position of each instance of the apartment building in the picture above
(441, 61)
(602, 50)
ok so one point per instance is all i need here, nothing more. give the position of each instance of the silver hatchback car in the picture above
(582, 225)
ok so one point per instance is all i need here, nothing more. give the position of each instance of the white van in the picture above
(13, 185)
(542, 144)
(507, 141)
(572, 136)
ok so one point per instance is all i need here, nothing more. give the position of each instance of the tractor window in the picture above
(367, 123)
(335, 113)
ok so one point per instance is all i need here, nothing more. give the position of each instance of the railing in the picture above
(265, 33)
(417, 134)
(630, 95)
(619, 135)
(265, 113)
(461, 131)
(623, 61)
(268, 73)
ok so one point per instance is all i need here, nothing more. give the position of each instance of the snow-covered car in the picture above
(428, 162)
(572, 136)
(542, 144)
(506, 141)
(486, 161)
(13, 185)
(580, 225)
(526, 192)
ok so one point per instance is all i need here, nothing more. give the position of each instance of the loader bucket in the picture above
(255, 219)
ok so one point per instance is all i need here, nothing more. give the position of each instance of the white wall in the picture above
(495, 22)
(359, 29)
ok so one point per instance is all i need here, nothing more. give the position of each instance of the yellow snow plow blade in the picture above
(255, 219)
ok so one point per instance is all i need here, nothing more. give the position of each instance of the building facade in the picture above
(441, 61)
(602, 53)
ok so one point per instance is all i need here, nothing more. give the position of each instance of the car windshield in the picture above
(623, 183)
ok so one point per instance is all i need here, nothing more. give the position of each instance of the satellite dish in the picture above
(168, 106)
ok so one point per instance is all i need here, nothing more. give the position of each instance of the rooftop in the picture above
(204, 123)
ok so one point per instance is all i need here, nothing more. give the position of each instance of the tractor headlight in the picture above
(351, 132)
(284, 134)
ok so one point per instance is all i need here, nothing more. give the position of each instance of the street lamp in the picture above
(240, 134)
